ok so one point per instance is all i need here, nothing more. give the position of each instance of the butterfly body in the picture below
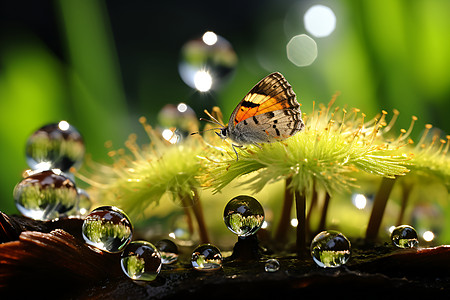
(268, 113)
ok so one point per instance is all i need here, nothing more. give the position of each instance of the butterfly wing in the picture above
(269, 112)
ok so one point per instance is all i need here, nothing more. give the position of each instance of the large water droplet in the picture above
(141, 261)
(272, 265)
(55, 146)
(45, 195)
(206, 257)
(207, 62)
(330, 249)
(168, 251)
(243, 215)
(107, 228)
(404, 236)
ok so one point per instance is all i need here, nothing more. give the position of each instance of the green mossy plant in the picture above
(334, 146)
(138, 181)
(337, 146)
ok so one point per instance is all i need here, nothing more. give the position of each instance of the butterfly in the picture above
(268, 113)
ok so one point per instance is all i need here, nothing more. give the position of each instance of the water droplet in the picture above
(168, 251)
(107, 228)
(55, 146)
(330, 249)
(404, 236)
(243, 215)
(141, 260)
(272, 265)
(207, 62)
(206, 257)
(45, 195)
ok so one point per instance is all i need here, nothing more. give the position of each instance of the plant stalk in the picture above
(323, 217)
(311, 208)
(300, 207)
(187, 214)
(379, 206)
(198, 213)
(284, 223)
(406, 191)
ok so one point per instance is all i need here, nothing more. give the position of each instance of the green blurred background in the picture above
(102, 64)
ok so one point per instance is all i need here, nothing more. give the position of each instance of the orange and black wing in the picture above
(272, 93)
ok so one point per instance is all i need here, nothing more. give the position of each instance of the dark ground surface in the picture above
(50, 259)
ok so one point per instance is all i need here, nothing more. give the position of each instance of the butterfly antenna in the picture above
(201, 131)
(213, 120)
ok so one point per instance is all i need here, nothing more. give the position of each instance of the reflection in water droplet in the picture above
(55, 146)
(107, 228)
(207, 62)
(272, 265)
(330, 249)
(206, 257)
(301, 50)
(320, 20)
(243, 215)
(404, 236)
(141, 260)
(168, 251)
(45, 195)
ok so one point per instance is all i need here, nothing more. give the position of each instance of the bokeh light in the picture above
(302, 50)
(359, 200)
(203, 81)
(320, 20)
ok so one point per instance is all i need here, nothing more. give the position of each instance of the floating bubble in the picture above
(207, 62)
(404, 236)
(141, 261)
(243, 215)
(107, 228)
(168, 251)
(330, 249)
(272, 265)
(55, 146)
(301, 50)
(206, 257)
(178, 121)
(45, 195)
